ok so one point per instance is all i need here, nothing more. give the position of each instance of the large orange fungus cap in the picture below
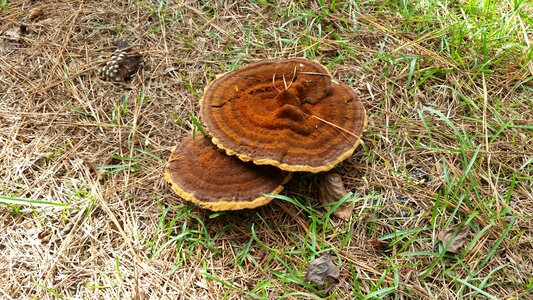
(286, 113)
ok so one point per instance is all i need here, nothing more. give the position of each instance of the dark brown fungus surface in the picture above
(286, 113)
(201, 173)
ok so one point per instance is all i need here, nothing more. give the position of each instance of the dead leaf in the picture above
(331, 189)
(451, 242)
(12, 34)
(35, 14)
(321, 269)
(44, 236)
(377, 244)
(93, 170)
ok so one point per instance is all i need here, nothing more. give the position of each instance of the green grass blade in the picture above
(31, 202)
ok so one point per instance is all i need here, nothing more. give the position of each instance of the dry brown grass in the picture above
(105, 246)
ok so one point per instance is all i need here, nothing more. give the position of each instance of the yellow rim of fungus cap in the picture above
(293, 167)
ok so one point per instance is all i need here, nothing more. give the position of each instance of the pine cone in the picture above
(121, 67)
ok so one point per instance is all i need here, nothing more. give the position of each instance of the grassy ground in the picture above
(448, 88)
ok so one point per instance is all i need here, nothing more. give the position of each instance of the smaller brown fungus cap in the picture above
(203, 174)
(287, 113)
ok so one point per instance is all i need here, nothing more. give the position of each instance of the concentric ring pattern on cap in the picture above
(286, 113)
(203, 174)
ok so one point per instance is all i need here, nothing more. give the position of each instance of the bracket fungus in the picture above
(203, 174)
(287, 113)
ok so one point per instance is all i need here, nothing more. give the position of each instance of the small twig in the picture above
(293, 76)
(274, 82)
(315, 73)
(337, 126)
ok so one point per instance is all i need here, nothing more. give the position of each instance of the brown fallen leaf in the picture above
(331, 189)
(451, 242)
(93, 170)
(322, 268)
(35, 14)
(377, 244)
(44, 236)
